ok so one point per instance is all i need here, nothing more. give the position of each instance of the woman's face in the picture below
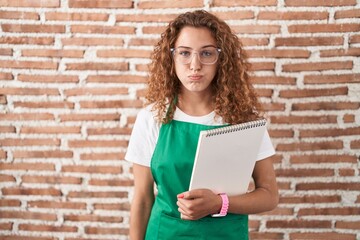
(194, 59)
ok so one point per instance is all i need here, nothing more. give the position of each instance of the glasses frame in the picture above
(218, 50)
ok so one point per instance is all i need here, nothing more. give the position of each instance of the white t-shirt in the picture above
(146, 131)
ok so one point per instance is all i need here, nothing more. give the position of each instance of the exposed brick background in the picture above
(72, 77)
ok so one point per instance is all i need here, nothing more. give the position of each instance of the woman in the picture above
(198, 80)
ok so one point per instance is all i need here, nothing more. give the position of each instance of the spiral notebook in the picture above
(226, 156)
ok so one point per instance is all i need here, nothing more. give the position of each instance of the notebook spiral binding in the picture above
(235, 128)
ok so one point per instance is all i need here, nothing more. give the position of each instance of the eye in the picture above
(184, 53)
(207, 53)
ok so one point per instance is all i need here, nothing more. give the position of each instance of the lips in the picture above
(195, 77)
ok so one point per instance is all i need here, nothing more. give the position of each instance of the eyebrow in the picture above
(210, 45)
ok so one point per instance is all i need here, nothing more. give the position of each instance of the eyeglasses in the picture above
(207, 55)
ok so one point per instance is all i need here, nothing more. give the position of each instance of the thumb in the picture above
(189, 194)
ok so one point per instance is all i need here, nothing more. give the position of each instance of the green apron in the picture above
(171, 166)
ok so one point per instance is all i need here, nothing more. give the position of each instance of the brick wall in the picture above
(72, 77)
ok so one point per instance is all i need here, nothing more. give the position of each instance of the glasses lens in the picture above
(208, 55)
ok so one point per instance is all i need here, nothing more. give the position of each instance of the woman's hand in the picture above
(198, 203)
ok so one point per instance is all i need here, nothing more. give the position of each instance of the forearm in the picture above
(139, 217)
(260, 200)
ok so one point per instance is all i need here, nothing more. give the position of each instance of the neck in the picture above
(195, 104)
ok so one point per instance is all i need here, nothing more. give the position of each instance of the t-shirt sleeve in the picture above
(266, 147)
(143, 139)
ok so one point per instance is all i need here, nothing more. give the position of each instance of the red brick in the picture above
(254, 41)
(303, 119)
(31, 191)
(29, 142)
(48, 78)
(54, 53)
(6, 76)
(354, 39)
(262, 66)
(89, 117)
(234, 15)
(309, 199)
(31, 4)
(3, 99)
(43, 154)
(28, 166)
(340, 52)
(346, 172)
(26, 116)
(102, 156)
(327, 3)
(234, 3)
(51, 179)
(50, 130)
(93, 41)
(305, 172)
(124, 206)
(277, 15)
(326, 79)
(310, 146)
(33, 28)
(256, 29)
(298, 224)
(355, 144)
(145, 17)
(118, 66)
(6, 226)
(97, 143)
(64, 16)
(317, 66)
(153, 29)
(273, 80)
(112, 104)
(325, 106)
(101, 4)
(56, 205)
(6, 178)
(265, 235)
(328, 158)
(305, 93)
(111, 182)
(29, 64)
(352, 13)
(109, 131)
(28, 40)
(281, 133)
(339, 211)
(96, 91)
(46, 228)
(349, 118)
(170, 4)
(66, 105)
(143, 41)
(92, 169)
(101, 29)
(6, 52)
(22, 237)
(28, 215)
(106, 231)
(278, 53)
(92, 218)
(10, 203)
(348, 225)
(19, 15)
(332, 28)
(116, 79)
(338, 186)
(124, 53)
(104, 194)
(30, 91)
(333, 132)
(322, 236)
(308, 41)
(274, 107)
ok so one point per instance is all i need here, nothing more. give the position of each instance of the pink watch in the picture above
(224, 206)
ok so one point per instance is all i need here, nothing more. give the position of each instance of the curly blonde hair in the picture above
(234, 97)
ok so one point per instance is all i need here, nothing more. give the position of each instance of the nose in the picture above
(195, 63)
